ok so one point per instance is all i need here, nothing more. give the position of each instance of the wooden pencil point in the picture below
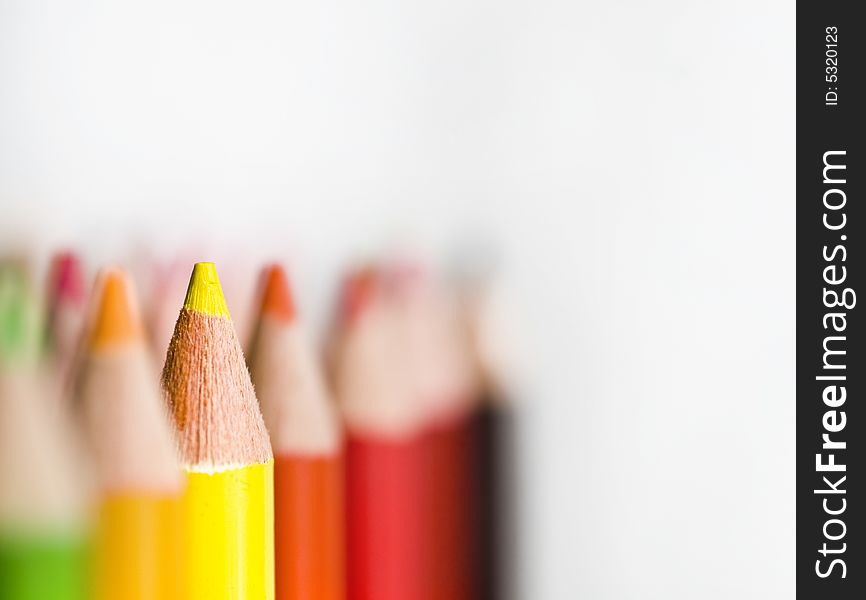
(204, 294)
(207, 384)
(291, 389)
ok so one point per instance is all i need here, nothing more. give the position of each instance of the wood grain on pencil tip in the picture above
(207, 385)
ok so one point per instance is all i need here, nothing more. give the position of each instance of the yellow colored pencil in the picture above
(137, 539)
(228, 506)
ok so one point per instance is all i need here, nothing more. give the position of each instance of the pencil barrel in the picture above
(449, 510)
(228, 524)
(309, 519)
(41, 567)
(385, 521)
(137, 549)
(493, 473)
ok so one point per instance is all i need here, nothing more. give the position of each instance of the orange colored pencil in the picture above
(308, 470)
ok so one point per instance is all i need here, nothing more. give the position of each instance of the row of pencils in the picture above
(372, 470)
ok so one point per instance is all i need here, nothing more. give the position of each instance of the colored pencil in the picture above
(493, 426)
(383, 456)
(438, 369)
(224, 451)
(42, 545)
(66, 298)
(492, 466)
(126, 425)
(308, 475)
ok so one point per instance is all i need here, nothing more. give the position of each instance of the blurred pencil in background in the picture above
(42, 541)
(440, 383)
(308, 473)
(137, 542)
(224, 451)
(485, 319)
(493, 492)
(385, 514)
(66, 299)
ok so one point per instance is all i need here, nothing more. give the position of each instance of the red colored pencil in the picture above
(441, 382)
(384, 457)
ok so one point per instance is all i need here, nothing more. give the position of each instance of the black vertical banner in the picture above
(831, 270)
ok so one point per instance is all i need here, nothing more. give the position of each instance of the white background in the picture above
(634, 162)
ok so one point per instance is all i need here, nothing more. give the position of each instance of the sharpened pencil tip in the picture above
(204, 294)
(277, 301)
(67, 279)
(116, 320)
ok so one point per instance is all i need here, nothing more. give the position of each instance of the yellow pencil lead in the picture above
(204, 294)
